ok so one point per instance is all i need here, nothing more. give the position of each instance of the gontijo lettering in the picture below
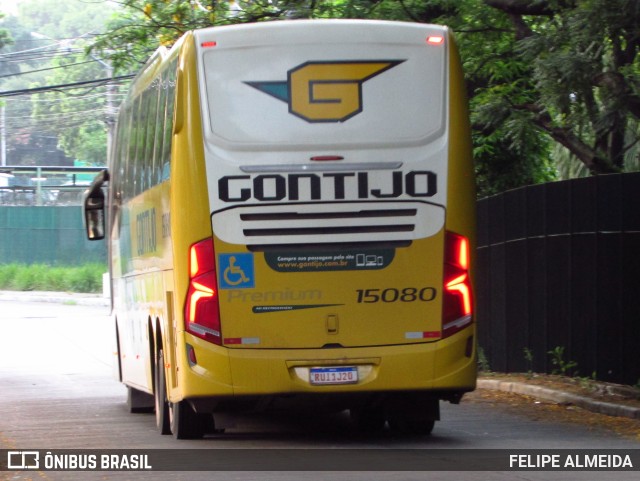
(146, 231)
(329, 186)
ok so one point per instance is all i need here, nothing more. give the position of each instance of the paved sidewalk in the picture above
(59, 297)
(536, 391)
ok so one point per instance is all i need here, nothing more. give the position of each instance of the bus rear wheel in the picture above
(160, 394)
(368, 420)
(413, 415)
(407, 426)
(186, 423)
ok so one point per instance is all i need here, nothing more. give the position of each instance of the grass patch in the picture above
(41, 277)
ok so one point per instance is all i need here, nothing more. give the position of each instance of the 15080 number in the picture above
(408, 294)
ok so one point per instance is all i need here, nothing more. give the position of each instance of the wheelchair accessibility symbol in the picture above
(237, 271)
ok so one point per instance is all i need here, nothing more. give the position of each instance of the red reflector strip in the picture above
(191, 355)
(435, 39)
(209, 44)
(241, 340)
(422, 335)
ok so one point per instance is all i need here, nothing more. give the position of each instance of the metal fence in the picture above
(559, 267)
(52, 235)
(42, 186)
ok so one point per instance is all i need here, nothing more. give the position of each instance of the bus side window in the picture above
(168, 118)
(119, 156)
(159, 102)
(149, 106)
(139, 159)
(131, 157)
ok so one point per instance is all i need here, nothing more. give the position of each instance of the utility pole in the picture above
(110, 107)
(110, 114)
(3, 137)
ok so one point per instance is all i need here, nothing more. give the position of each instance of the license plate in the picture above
(333, 375)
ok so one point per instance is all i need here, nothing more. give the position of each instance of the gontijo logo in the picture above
(325, 91)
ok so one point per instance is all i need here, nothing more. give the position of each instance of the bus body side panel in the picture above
(461, 203)
(189, 219)
(461, 189)
(140, 245)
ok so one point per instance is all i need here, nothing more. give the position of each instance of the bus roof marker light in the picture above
(435, 39)
(209, 44)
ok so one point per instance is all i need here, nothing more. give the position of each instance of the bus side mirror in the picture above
(94, 207)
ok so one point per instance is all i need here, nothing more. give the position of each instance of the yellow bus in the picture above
(290, 218)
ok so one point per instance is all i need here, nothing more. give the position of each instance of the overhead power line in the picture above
(96, 95)
(48, 88)
(45, 69)
(30, 57)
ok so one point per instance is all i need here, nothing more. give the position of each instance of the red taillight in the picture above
(202, 312)
(457, 309)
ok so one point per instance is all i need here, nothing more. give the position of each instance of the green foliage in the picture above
(48, 49)
(528, 357)
(561, 366)
(85, 137)
(141, 26)
(86, 278)
(509, 150)
(5, 38)
(483, 362)
(588, 382)
(40, 277)
(585, 72)
(7, 274)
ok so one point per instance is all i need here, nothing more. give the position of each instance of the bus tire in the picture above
(413, 415)
(407, 426)
(368, 420)
(163, 419)
(186, 423)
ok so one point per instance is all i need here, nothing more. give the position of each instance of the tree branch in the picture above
(616, 84)
(522, 7)
(587, 155)
(522, 29)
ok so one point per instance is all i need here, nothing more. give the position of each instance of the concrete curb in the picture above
(561, 397)
(71, 298)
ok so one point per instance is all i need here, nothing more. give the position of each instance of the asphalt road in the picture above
(57, 392)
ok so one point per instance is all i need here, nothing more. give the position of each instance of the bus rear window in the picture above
(279, 95)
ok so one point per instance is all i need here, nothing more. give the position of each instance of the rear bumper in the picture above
(444, 369)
